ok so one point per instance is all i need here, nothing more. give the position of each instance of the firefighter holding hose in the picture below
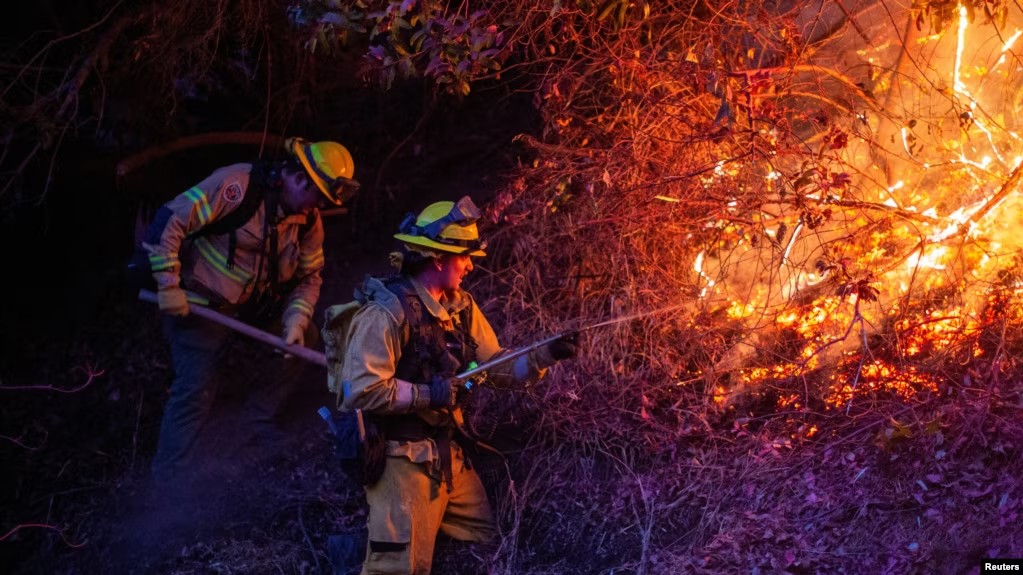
(412, 334)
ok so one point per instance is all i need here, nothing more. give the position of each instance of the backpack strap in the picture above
(463, 326)
(255, 194)
(258, 183)
(417, 334)
(270, 233)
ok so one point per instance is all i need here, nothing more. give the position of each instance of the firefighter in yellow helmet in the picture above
(328, 165)
(414, 331)
(248, 241)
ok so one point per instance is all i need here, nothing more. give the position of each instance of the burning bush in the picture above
(811, 213)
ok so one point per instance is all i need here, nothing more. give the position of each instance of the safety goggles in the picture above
(342, 189)
(463, 213)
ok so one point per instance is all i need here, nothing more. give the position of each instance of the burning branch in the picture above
(1003, 192)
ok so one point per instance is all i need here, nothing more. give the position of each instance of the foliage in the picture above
(130, 75)
(407, 38)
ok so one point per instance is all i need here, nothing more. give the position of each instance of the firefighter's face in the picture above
(300, 194)
(453, 269)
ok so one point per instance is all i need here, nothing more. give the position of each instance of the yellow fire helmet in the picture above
(445, 227)
(329, 165)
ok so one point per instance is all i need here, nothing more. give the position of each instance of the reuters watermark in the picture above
(1001, 566)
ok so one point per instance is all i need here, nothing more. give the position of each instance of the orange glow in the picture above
(902, 243)
(935, 331)
(876, 378)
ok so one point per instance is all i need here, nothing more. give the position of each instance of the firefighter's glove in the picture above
(172, 301)
(294, 333)
(443, 391)
(564, 347)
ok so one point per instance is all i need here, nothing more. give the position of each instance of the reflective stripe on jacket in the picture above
(201, 263)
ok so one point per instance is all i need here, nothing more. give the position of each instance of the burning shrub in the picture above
(807, 238)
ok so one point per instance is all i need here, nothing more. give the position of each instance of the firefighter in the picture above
(247, 241)
(414, 332)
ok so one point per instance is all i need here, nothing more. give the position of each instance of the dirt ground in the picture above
(262, 499)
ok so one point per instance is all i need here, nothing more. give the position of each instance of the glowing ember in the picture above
(938, 331)
(877, 378)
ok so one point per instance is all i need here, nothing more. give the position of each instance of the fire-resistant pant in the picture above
(408, 506)
(197, 347)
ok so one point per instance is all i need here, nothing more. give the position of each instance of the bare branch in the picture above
(90, 372)
(44, 526)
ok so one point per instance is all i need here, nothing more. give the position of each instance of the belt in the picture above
(413, 428)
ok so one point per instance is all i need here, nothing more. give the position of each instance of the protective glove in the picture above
(172, 301)
(564, 347)
(443, 391)
(294, 334)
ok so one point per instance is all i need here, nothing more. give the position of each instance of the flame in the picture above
(922, 273)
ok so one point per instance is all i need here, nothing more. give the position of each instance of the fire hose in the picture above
(319, 358)
(467, 376)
